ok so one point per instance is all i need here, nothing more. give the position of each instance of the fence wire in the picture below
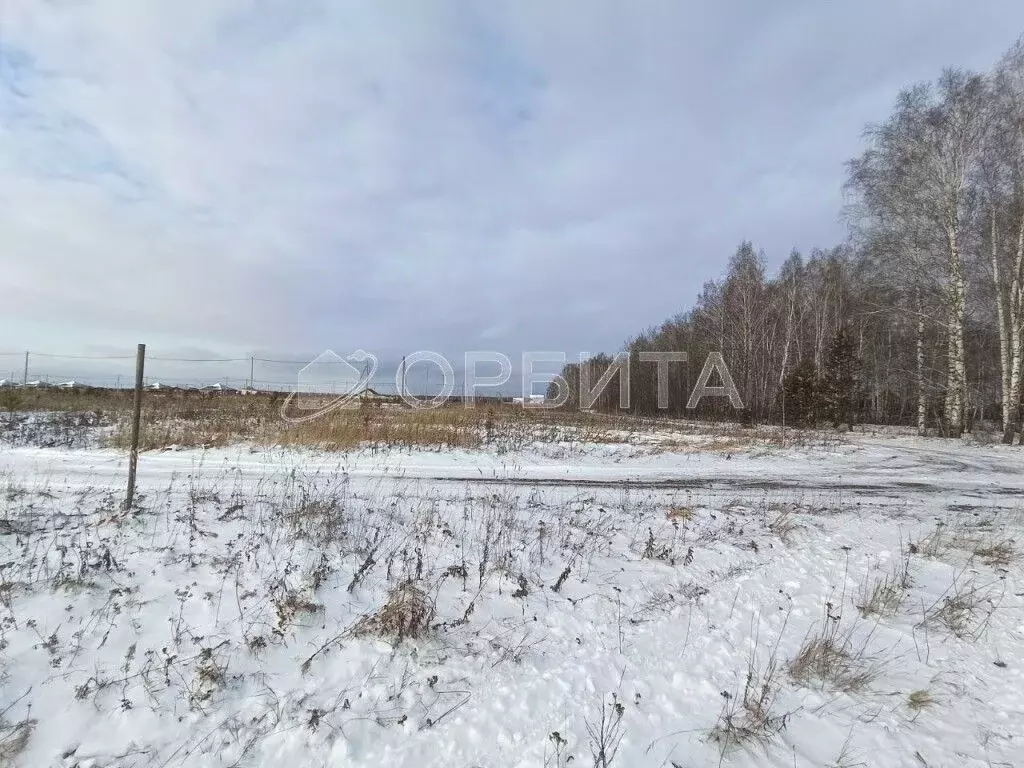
(33, 368)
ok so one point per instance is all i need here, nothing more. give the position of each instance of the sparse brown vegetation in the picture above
(181, 418)
(847, 757)
(13, 740)
(881, 596)
(679, 514)
(996, 552)
(933, 545)
(408, 613)
(884, 595)
(963, 610)
(831, 657)
(921, 699)
(605, 732)
(783, 524)
(750, 717)
(985, 545)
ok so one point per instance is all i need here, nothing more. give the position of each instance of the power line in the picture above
(59, 356)
(49, 372)
(55, 356)
(201, 359)
(80, 357)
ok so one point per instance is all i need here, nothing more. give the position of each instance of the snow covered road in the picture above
(872, 467)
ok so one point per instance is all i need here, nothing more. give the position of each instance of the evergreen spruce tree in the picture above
(801, 392)
(838, 386)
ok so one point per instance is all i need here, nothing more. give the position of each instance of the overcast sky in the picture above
(284, 176)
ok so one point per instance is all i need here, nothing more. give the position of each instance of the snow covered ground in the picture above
(854, 602)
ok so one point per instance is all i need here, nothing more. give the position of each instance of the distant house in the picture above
(532, 400)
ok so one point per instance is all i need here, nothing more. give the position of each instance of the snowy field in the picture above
(841, 603)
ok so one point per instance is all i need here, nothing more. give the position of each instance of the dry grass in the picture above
(408, 613)
(751, 718)
(193, 418)
(605, 733)
(75, 399)
(988, 547)
(996, 552)
(13, 740)
(847, 757)
(196, 419)
(317, 514)
(189, 420)
(963, 610)
(830, 658)
(783, 525)
(884, 595)
(934, 545)
(677, 514)
(450, 427)
(921, 700)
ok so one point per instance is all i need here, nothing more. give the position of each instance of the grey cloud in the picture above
(401, 175)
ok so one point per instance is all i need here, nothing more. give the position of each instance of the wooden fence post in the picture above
(133, 458)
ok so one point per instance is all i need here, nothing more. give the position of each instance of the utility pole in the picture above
(133, 457)
(24, 381)
(402, 393)
(252, 368)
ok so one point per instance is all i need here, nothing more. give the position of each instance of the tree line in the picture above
(918, 318)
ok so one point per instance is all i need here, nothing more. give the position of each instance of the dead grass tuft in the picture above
(847, 757)
(963, 610)
(884, 595)
(987, 547)
(683, 514)
(751, 718)
(881, 596)
(13, 740)
(920, 700)
(605, 733)
(408, 613)
(783, 525)
(997, 553)
(830, 657)
(934, 545)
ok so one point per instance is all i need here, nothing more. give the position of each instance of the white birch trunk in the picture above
(922, 402)
(1002, 320)
(957, 374)
(1016, 323)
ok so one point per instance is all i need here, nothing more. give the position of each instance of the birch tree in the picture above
(948, 146)
(920, 167)
(1002, 182)
(890, 222)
